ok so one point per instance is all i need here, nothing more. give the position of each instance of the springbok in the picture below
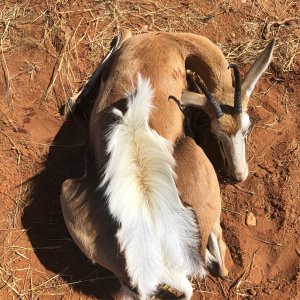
(226, 105)
(128, 202)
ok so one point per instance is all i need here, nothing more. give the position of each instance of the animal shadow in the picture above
(43, 218)
(44, 221)
(199, 124)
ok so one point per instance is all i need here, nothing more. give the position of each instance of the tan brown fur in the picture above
(199, 188)
(93, 229)
(168, 54)
(230, 124)
(84, 206)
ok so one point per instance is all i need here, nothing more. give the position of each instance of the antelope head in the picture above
(230, 123)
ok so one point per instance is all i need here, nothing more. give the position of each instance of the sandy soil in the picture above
(48, 49)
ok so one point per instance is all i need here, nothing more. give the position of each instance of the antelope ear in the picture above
(259, 66)
(194, 99)
(125, 35)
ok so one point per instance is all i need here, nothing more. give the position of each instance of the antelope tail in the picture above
(158, 235)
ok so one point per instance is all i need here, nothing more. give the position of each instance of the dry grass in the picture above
(264, 26)
(67, 31)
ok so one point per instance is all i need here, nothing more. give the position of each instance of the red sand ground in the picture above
(38, 259)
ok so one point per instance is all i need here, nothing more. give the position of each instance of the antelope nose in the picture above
(241, 175)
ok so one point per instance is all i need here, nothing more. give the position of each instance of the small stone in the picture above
(233, 34)
(285, 288)
(266, 291)
(250, 219)
(252, 292)
(145, 28)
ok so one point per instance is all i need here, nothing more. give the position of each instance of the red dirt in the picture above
(39, 149)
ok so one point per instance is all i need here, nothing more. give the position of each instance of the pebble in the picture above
(250, 219)
(266, 291)
(252, 292)
(145, 28)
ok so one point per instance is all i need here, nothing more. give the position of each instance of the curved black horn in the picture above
(237, 92)
(209, 97)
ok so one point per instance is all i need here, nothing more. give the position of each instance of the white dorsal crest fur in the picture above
(158, 235)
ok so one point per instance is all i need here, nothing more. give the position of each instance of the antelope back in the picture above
(163, 58)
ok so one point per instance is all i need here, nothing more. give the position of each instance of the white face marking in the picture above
(233, 148)
(245, 123)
